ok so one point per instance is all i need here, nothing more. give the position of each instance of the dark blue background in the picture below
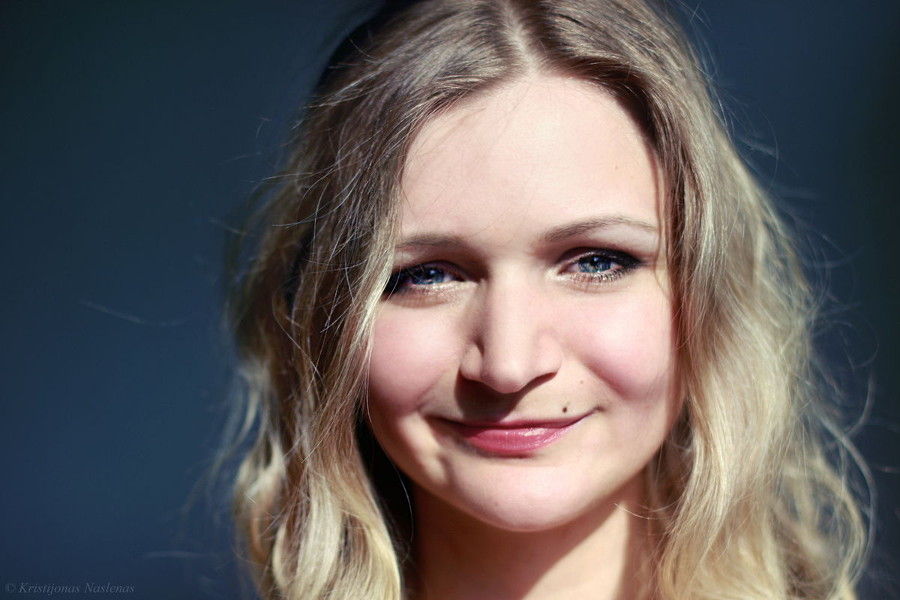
(130, 134)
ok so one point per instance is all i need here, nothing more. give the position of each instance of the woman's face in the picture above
(522, 369)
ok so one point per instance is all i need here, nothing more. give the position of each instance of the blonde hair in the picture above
(744, 493)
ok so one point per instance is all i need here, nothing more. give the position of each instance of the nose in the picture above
(512, 342)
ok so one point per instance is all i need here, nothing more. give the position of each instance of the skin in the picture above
(515, 325)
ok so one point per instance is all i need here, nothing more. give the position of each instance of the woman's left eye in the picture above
(602, 265)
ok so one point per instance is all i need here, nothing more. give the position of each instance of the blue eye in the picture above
(418, 276)
(600, 266)
(595, 263)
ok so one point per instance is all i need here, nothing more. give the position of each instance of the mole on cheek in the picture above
(565, 409)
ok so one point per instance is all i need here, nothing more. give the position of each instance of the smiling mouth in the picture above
(510, 438)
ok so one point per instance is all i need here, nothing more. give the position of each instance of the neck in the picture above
(600, 555)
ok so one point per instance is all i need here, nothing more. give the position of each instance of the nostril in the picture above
(511, 384)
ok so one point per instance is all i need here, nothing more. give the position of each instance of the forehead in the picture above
(538, 151)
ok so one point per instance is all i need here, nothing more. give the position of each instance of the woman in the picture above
(526, 327)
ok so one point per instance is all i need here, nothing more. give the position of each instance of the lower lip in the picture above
(510, 441)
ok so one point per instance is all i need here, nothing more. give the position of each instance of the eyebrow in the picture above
(564, 232)
(555, 235)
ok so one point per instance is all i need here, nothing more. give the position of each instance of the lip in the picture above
(510, 438)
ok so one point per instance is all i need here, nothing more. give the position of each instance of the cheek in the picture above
(630, 352)
(630, 346)
(412, 351)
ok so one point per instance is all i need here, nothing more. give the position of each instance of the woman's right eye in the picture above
(418, 277)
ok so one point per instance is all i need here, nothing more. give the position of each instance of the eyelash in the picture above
(397, 284)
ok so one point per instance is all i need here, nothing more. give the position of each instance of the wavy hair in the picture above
(750, 491)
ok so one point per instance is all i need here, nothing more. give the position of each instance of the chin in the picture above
(518, 503)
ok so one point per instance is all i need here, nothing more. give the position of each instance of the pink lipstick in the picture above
(512, 438)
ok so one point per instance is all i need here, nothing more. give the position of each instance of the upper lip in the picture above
(518, 423)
